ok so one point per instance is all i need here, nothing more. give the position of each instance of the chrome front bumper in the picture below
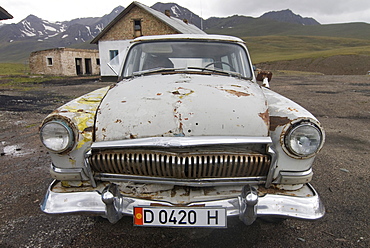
(304, 203)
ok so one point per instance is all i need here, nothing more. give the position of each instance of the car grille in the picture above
(180, 165)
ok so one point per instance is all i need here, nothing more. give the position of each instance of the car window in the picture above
(187, 55)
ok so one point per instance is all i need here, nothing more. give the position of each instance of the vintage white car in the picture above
(187, 137)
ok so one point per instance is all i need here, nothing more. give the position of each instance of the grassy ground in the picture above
(267, 49)
(278, 48)
(11, 69)
(18, 75)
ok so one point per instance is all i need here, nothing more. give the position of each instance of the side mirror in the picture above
(264, 77)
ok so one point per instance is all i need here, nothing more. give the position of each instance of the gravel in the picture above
(341, 103)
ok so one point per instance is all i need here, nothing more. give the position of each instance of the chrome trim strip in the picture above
(296, 173)
(65, 170)
(274, 158)
(307, 207)
(88, 170)
(180, 142)
(203, 182)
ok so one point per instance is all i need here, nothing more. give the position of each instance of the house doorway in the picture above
(78, 66)
(88, 68)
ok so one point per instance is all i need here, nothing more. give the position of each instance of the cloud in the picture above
(324, 11)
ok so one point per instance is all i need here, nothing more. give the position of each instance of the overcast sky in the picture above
(324, 11)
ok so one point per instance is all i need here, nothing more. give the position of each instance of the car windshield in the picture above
(202, 56)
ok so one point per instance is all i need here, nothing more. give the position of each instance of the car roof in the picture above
(188, 37)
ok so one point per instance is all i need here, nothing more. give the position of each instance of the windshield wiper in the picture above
(231, 73)
(158, 70)
(155, 70)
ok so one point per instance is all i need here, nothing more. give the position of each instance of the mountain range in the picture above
(18, 40)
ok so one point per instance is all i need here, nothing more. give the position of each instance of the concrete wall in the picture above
(62, 61)
(104, 47)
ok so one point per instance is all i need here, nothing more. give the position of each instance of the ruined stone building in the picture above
(65, 62)
(134, 21)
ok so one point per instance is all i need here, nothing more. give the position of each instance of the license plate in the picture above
(180, 217)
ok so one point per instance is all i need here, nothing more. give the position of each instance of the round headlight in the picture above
(57, 136)
(304, 139)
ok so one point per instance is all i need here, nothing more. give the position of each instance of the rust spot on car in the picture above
(88, 129)
(123, 101)
(236, 93)
(118, 121)
(113, 86)
(158, 205)
(132, 136)
(274, 190)
(173, 192)
(208, 191)
(159, 94)
(292, 109)
(80, 110)
(265, 117)
(182, 92)
(276, 121)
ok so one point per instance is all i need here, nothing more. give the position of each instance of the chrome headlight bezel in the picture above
(302, 139)
(57, 144)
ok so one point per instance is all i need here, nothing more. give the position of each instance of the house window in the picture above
(137, 28)
(49, 61)
(98, 61)
(112, 54)
(113, 57)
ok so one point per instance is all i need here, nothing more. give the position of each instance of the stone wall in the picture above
(150, 25)
(64, 62)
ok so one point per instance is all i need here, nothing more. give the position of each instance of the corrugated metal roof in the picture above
(173, 22)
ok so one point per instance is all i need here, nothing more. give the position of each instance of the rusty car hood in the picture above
(182, 105)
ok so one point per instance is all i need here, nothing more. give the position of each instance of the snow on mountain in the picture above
(179, 12)
(61, 33)
(176, 11)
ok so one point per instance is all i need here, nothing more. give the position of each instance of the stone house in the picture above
(65, 62)
(134, 21)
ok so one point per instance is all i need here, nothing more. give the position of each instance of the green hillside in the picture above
(275, 48)
(329, 49)
(268, 41)
(246, 27)
(346, 30)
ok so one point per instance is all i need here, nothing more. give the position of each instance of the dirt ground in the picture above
(342, 178)
(333, 65)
